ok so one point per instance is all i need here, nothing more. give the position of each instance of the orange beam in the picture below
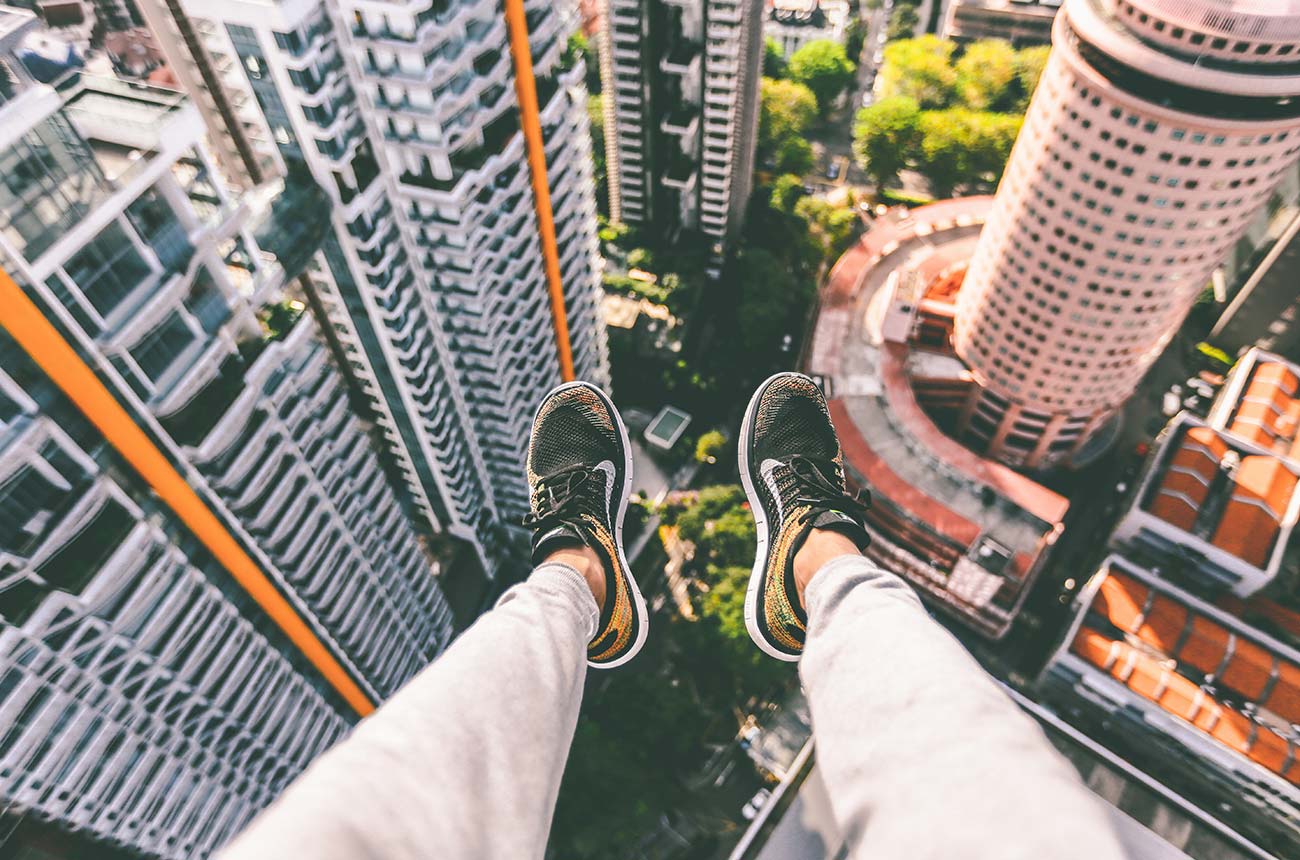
(531, 121)
(35, 334)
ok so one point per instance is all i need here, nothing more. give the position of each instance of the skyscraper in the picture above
(1158, 129)
(433, 272)
(205, 572)
(680, 79)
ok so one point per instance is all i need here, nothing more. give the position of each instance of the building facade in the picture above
(432, 275)
(147, 702)
(794, 23)
(681, 81)
(1157, 132)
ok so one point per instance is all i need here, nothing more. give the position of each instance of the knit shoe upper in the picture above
(579, 476)
(793, 470)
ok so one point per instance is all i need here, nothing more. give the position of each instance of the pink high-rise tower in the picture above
(1159, 128)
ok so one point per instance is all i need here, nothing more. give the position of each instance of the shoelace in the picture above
(559, 499)
(821, 493)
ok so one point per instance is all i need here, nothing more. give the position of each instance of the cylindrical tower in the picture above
(1158, 129)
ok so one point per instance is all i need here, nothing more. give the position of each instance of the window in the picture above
(108, 269)
(158, 349)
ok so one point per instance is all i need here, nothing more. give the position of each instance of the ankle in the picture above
(586, 562)
(822, 546)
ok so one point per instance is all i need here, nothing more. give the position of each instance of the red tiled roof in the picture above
(1263, 487)
(1167, 651)
(1268, 413)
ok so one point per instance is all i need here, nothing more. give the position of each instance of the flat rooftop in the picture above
(14, 26)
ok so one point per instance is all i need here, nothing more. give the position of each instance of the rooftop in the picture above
(1261, 404)
(970, 532)
(15, 24)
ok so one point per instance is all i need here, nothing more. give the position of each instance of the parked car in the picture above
(751, 809)
(868, 98)
(833, 172)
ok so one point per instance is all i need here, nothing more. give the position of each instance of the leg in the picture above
(924, 756)
(482, 731)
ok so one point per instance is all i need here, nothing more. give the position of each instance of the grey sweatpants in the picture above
(923, 755)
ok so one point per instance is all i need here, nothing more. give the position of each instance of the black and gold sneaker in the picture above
(579, 477)
(793, 471)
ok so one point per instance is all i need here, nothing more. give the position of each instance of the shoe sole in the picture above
(754, 592)
(643, 618)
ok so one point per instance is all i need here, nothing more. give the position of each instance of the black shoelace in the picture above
(560, 499)
(821, 493)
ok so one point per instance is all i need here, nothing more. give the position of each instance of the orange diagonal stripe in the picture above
(34, 333)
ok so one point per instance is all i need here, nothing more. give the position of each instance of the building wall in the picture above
(145, 700)
(1134, 175)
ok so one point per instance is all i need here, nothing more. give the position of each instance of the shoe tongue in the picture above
(838, 521)
(561, 537)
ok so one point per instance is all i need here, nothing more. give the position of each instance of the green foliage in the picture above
(855, 37)
(786, 111)
(640, 258)
(986, 73)
(1030, 63)
(920, 69)
(893, 195)
(884, 136)
(824, 68)
(596, 117)
(964, 147)
(831, 227)
(774, 64)
(710, 447)
(794, 155)
(786, 192)
(902, 22)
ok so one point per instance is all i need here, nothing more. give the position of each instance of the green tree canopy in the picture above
(710, 447)
(1030, 63)
(774, 65)
(787, 109)
(964, 147)
(920, 69)
(831, 227)
(794, 155)
(986, 73)
(786, 192)
(824, 68)
(884, 136)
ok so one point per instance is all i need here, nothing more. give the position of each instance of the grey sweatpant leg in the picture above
(923, 755)
(465, 761)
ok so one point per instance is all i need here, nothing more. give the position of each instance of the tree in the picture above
(640, 258)
(920, 69)
(1030, 63)
(824, 68)
(794, 155)
(986, 73)
(786, 109)
(774, 65)
(884, 135)
(709, 447)
(786, 192)
(855, 38)
(773, 301)
(963, 147)
(831, 227)
(902, 23)
(596, 117)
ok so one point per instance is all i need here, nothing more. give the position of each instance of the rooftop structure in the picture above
(1261, 403)
(795, 23)
(1156, 134)
(1020, 22)
(970, 533)
(1188, 691)
(1222, 508)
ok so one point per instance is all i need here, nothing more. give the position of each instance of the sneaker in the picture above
(579, 477)
(793, 471)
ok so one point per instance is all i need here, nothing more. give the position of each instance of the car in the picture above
(878, 57)
(833, 172)
(755, 804)
(868, 98)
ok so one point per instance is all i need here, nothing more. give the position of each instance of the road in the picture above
(836, 144)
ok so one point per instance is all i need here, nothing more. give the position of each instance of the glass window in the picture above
(108, 269)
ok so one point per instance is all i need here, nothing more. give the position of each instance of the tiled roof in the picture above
(1262, 489)
(1268, 413)
(1212, 674)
